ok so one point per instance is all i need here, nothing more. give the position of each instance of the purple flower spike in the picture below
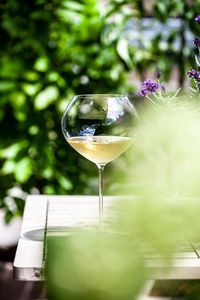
(163, 88)
(194, 74)
(158, 75)
(197, 19)
(143, 92)
(148, 86)
(196, 41)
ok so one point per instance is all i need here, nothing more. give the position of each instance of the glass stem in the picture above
(101, 171)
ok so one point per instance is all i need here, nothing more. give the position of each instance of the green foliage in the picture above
(50, 50)
(165, 47)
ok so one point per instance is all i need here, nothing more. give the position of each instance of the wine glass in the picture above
(100, 127)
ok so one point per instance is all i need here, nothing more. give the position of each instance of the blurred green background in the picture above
(51, 50)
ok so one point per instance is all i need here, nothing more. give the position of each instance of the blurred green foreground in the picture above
(51, 50)
(109, 262)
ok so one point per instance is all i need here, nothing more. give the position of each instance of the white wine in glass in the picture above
(100, 149)
(100, 127)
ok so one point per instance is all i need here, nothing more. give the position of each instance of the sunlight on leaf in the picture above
(46, 97)
(8, 167)
(65, 183)
(23, 169)
(14, 149)
(123, 50)
(31, 89)
(41, 64)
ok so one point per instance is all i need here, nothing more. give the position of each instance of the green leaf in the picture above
(18, 99)
(69, 16)
(46, 97)
(65, 183)
(31, 89)
(73, 5)
(6, 86)
(41, 64)
(20, 204)
(47, 172)
(197, 59)
(21, 116)
(13, 150)
(8, 167)
(8, 216)
(11, 68)
(123, 51)
(49, 189)
(162, 7)
(31, 76)
(33, 130)
(23, 170)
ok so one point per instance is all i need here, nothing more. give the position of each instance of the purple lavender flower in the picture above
(194, 74)
(148, 86)
(143, 92)
(197, 19)
(163, 88)
(158, 75)
(196, 41)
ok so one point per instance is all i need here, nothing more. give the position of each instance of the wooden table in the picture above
(43, 213)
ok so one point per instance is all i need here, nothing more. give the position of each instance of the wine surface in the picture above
(100, 149)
